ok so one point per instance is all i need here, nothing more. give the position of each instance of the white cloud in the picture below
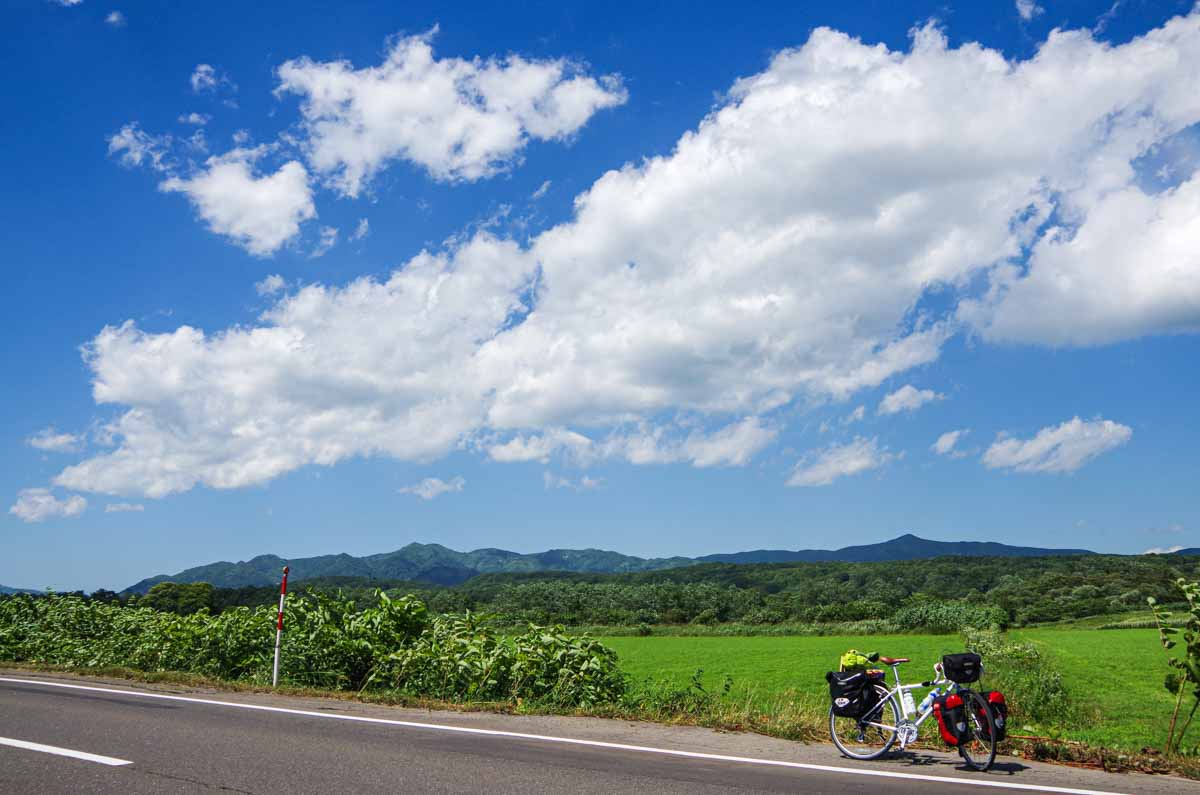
(270, 285)
(1163, 550)
(115, 19)
(259, 213)
(946, 443)
(1028, 9)
(371, 368)
(208, 79)
(907, 398)
(362, 230)
(124, 507)
(429, 488)
(136, 147)
(583, 483)
(836, 461)
(1131, 269)
(773, 258)
(458, 119)
(329, 238)
(1059, 448)
(540, 447)
(38, 505)
(733, 445)
(52, 440)
(541, 191)
(68, 3)
(855, 416)
(198, 119)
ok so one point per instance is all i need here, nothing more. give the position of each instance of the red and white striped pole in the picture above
(279, 627)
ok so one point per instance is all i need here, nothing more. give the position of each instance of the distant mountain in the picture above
(906, 547)
(5, 590)
(436, 564)
(1188, 551)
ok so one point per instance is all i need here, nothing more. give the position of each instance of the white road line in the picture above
(54, 749)
(643, 749)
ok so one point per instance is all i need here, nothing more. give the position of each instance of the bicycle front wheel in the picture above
(870, 736)
(978, 748)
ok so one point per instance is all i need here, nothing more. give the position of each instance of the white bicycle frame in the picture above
(896, 694)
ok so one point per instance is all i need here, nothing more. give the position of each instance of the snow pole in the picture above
(279, 627)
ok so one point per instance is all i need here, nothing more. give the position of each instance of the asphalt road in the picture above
(172, 739)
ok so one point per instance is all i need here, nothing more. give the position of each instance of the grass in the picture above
(1115, 677)
(778, 689)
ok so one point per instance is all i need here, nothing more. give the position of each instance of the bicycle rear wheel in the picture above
(857, 739)
(978, 748)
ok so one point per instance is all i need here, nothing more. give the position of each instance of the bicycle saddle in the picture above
(893, 660)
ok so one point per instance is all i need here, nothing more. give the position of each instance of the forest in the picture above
(938, 595)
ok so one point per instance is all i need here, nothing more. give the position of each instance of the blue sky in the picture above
(616, 278)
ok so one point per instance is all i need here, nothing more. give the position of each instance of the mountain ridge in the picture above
(440, 565)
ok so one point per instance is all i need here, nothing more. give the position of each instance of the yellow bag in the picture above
(855, 660)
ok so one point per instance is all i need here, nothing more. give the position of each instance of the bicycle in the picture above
(871, 736)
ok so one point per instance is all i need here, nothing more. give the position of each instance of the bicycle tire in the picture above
(978, 749)
(844, 731)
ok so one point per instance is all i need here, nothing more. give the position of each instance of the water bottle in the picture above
(928, 700)
(906, 700)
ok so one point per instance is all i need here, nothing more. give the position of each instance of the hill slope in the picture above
(433, 563)
(906, 547)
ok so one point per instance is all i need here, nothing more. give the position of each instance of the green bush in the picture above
(940, 617)
(328, 642)
(1035, 691)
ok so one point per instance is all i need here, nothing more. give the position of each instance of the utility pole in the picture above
(279, 627)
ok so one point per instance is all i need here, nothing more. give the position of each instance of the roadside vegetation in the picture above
(330, 643)
(709, 645)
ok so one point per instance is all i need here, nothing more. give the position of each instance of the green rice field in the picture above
(1115, 676)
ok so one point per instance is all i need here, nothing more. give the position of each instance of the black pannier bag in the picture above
(995, 700)
(951, 716)
(962, 668)
(852, 693)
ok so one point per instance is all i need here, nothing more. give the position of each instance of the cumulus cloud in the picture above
(541, 191)
(372, 368)
(124, 507)
(1131, 268)
(198, 119)
(1162, 550)
(362, 230)
(329, 238)
(208, 79)
(54, 441)
(946, 443)
(732, 445)
(38, 505)
(429, 488)
(1028, 9)
(540, 447)
(907, 398)
(837, 461)
(457, 119)
(133, 146)
(772, 258)
(258, 213)
(1059, 448)
(270, 285)
(115, 19)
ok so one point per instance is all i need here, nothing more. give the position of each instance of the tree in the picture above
(1186, 677)
(179, 597)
